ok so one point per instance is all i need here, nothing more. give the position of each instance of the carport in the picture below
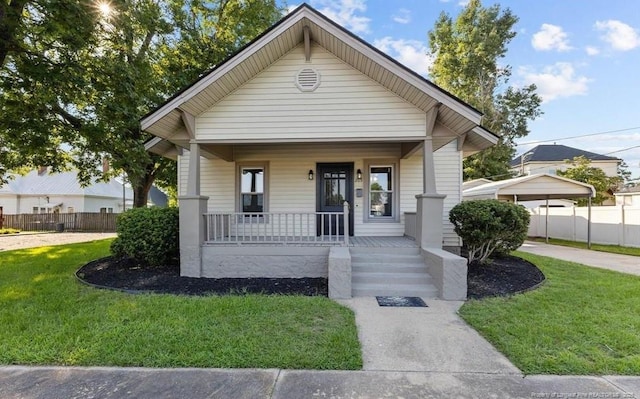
(535, 187)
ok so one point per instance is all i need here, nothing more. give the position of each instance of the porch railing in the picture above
(317, 228)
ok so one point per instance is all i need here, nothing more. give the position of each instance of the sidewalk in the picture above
(604, 260)
(139, 383)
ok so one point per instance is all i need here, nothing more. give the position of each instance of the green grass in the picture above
(614, 249)
(47, 317)
(9, 231)
(581, 321)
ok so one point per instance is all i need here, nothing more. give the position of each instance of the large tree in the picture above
(467, 55)
(74, 105)
(582, 171)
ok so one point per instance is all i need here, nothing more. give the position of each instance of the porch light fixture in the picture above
(310, 174)
(358, 175)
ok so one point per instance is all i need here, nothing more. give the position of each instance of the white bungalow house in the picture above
(309, 153)
(41, 191)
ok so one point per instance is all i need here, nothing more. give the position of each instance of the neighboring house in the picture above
(549, 158)
(42, 192)
(629, 196)
(311, 154)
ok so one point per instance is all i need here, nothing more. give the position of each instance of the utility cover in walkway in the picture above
(401, 301)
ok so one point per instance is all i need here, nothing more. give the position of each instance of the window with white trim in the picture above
(252, 189)
(381, 192)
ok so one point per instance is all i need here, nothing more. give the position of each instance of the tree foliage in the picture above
(582, 171)
(76, 81)
(487, 226)
(467, 53)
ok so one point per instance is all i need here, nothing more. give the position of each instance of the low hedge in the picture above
(149, 235)
(488, 226)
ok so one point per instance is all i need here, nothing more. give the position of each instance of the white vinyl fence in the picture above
(617, 225)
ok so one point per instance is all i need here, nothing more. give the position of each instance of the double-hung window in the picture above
(382, 192)
(252, 189)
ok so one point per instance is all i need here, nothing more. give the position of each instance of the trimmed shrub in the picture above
(488, 226)
(149, 235)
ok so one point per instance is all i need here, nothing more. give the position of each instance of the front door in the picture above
(335, 186)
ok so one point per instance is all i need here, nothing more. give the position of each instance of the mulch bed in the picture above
(506, 275)
(127, 275)
(502, 276)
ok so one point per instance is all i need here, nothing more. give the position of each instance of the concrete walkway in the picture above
(431, 339)
(604, 260)
(65, 383)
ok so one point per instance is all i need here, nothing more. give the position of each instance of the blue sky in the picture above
(584, 56)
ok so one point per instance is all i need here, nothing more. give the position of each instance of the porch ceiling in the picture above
(458, 117)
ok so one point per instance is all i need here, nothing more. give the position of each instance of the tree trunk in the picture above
(10, 15)
(141, 191)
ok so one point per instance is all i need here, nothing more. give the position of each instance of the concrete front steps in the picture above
(390, 272)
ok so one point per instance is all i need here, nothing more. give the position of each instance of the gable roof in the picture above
(558, 153)
(531, 187)
(65, 183)
(459, 117)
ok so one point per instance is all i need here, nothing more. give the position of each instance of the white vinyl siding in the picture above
(346, 105)
(290, 189)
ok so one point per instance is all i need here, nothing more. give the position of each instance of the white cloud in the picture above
(619, 35)
(550, 37)
(556, 81)
(591, 50)
(343, 12)
(411, 53)
(403, 16)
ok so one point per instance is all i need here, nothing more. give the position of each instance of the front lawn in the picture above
(583, 320)
(47, 317)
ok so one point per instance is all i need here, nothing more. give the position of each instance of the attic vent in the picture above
(307, 79)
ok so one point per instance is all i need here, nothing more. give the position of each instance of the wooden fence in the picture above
(83, 221)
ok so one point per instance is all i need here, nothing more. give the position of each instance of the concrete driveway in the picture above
(604, 260)
(30, 240)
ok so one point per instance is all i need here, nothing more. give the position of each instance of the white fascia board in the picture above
(485, 134)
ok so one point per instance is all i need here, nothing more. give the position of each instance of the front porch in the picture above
(297, 229)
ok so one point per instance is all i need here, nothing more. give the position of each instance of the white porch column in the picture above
(428, 170)
(192, 207)
(430, 204)
(193, 181)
